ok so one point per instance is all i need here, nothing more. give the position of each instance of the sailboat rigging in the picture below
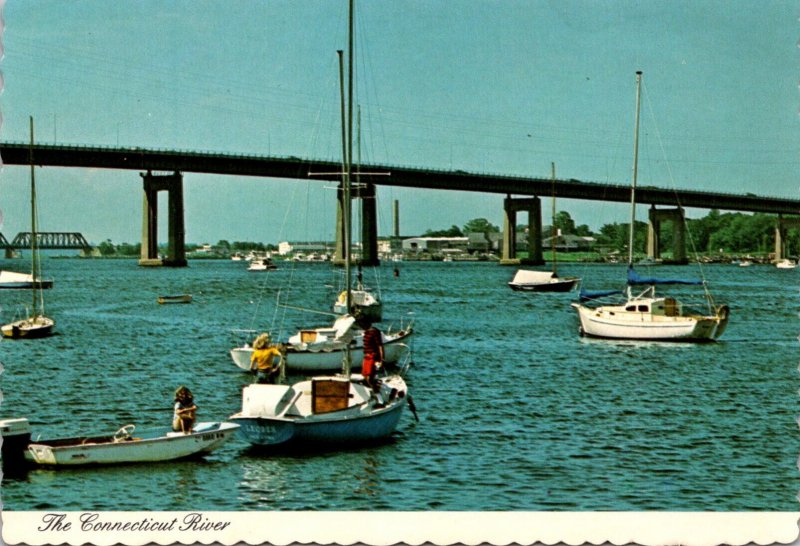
(37, 324)
(338, 409)
(362, 300)
(526, 280)
(646, 316)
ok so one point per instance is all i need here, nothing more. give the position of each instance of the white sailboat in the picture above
(338, 409)
(526, 280)
(645, 315)
(322, 349)
(362, 300)
(36, 324)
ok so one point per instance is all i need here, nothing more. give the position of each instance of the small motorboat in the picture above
(180, 298)
(541, 281)
(262, 264)
(786, 264)
(156, 444)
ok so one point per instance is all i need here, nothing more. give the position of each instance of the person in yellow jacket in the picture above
(267, 359)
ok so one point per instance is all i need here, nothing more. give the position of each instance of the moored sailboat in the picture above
(337, 409)
(645, 315)
(36, 324)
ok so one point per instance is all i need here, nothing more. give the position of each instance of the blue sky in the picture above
(490, 86)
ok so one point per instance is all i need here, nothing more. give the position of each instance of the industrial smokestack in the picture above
(396, 218)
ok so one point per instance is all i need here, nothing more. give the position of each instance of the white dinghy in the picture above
(124, 446)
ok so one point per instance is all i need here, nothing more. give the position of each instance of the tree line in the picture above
(731, 233)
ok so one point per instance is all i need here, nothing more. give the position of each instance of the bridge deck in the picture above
(141, 159)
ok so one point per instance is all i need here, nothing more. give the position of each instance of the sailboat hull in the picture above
(327, 359)
(615, 323)
(28, 328)
(324, 410)
(264, 431)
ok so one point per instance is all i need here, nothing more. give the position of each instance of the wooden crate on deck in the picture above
(329, 395)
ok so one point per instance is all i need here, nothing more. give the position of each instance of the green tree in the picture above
(480, 225)
(565, 223)
(452, 232)
(107, 248)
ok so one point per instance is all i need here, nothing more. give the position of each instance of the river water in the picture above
(517, 412)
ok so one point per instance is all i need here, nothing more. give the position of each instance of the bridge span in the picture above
(47, 240)
(141, 159)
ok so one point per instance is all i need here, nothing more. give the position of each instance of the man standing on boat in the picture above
(267, 360)
(373, 352)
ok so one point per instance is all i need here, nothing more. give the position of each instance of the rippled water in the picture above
(517, 411)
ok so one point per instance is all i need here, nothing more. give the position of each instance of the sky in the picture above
(504, 87)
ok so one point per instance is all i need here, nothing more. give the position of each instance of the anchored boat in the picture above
(126, 446)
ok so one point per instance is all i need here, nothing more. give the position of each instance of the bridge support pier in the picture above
(176, 253)
(780, 235)
(678, 217)
(369, 225)
(533, 207)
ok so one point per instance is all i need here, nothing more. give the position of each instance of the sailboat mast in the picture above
(349, 166)
(34, 249)
(635, 166)
(553, 230)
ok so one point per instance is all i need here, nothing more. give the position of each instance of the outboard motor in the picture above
(16, 434)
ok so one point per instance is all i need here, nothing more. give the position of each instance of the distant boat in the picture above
(181, 298)
(545, 281)
(745, 263)
(362, 301)
(786, 264)
(158, 444)
(36, 324)
(11, 280)
(262, 264)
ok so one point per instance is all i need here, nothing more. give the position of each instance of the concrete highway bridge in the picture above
(150, 161)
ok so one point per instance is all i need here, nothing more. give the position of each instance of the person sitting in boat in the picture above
(373, 352)
(267, 359)
(185, 410)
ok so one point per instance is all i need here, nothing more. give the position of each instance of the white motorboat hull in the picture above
(278, 414)
(613, 323)
(164, 446)
(10, 280)
(308, 360)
